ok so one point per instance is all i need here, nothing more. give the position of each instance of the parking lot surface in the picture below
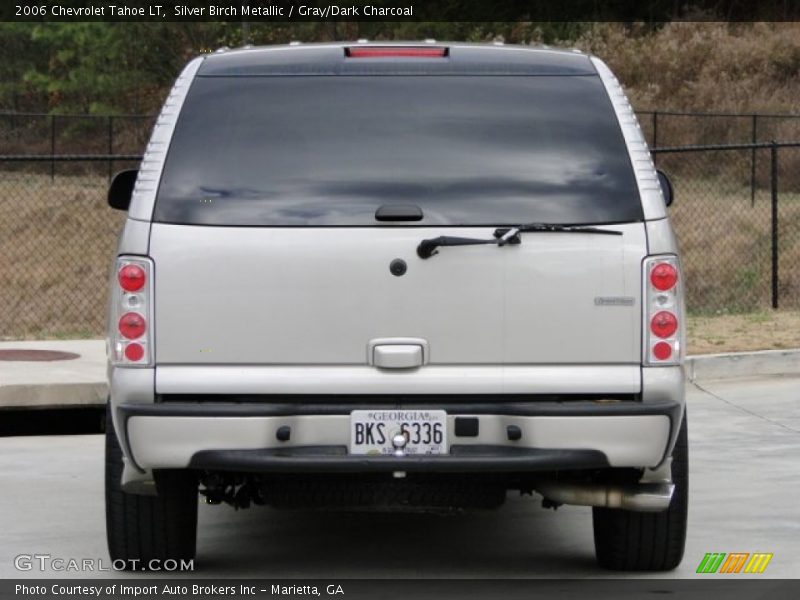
(745, 484)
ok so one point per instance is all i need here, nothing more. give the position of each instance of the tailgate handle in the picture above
(397, 356)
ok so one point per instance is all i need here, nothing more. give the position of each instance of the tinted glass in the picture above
(328, 151)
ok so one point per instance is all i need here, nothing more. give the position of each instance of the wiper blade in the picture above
(504, 236)
(510, 235)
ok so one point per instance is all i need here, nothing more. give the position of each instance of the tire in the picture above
(637, 541)
(141, 529)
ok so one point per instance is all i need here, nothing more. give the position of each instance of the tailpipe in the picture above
(641, 497)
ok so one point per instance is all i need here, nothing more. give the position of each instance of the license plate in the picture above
(372, 431)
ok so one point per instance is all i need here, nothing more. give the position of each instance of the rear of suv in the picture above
(396, 276)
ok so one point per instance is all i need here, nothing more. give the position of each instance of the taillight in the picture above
(130, 332)
(134, 352)
(663, 311)
(664, 276)
(664, 324)
(132, 325)
(662, 350)
(396, 52)
(131, 278)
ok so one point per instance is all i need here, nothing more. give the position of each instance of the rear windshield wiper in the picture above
(504, 236)
(507, 235)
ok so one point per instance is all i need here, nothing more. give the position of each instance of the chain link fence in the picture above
(665, 128)
(57, 239)
(675, 128)
(740, 245)
(57, 135)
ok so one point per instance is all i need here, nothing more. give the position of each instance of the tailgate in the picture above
(318, 296)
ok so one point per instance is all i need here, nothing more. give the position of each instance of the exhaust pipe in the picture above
(642, 497)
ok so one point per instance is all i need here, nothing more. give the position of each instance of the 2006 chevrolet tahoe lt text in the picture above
(396, 276)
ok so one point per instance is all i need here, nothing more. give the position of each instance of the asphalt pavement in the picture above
(745, 485)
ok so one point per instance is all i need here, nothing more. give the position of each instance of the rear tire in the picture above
(636, 541)
(141, 529)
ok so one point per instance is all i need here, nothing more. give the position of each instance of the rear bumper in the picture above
(554, 436)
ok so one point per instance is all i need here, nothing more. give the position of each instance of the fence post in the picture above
(754, 138)
(774, 221)
(52, 147)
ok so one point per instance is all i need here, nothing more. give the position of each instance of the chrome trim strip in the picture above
(152, 165)
(643, 168)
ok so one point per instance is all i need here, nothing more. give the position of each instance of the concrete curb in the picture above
(53, 395)
(742, 364)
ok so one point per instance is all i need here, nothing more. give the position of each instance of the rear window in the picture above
(330, 150)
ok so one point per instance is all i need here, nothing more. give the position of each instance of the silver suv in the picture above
(396, 276)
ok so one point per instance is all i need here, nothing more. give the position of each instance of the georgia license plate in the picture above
(372, 431)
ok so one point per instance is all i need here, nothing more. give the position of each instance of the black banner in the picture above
(406, 589)
(396, 10)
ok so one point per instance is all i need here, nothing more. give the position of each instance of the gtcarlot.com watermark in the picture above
(48, 562)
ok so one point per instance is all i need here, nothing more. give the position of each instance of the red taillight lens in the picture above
(132, 325)
(662, 342)
(131, 278)
(664, 324)
(130, 320)
(662, 350)
(397, 51)
(664, 276)
(134, 352)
